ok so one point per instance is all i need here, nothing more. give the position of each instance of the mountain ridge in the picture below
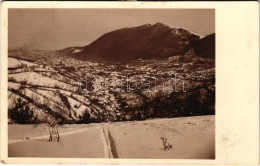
(145, 41)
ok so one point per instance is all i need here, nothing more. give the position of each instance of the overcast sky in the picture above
(61, 28)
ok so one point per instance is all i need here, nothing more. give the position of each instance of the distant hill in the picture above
(146, 41)
(205, 47)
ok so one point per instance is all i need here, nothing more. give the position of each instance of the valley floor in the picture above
(190, 137)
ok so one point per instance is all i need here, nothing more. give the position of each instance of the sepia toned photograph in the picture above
(111, 83)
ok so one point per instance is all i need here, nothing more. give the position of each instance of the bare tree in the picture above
(53, 130)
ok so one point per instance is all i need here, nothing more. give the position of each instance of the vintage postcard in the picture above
(130, 83)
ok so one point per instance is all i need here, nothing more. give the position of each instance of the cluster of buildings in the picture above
(110, 80)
